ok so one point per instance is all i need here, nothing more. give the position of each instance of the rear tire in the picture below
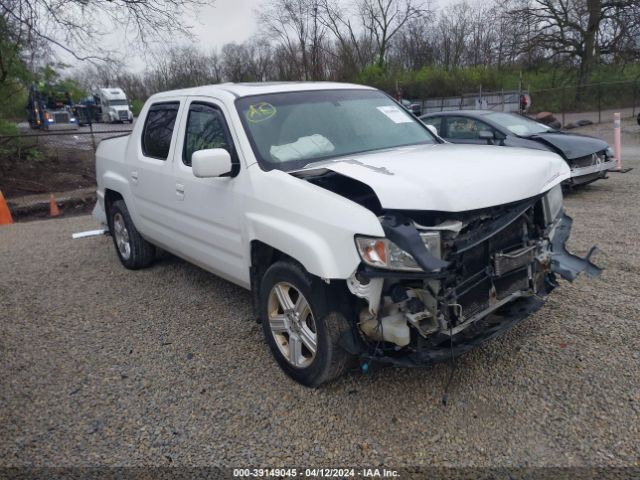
(133, 251)
(303, 324)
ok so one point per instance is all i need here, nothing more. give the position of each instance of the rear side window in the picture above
(158, 129)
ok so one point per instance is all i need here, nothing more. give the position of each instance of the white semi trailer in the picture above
(114, 105)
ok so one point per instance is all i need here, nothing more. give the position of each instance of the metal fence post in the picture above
(599, 103)
(562, 103)
(93, 138)
(635, 98)
(442, 104)
(520, 109)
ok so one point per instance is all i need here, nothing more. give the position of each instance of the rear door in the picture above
(209, 210)
(151, 174)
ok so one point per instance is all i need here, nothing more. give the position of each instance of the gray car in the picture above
(589, 158)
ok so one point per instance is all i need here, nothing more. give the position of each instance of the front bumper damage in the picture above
(565, 263)
(443, 348)
(590, 168)
(461, 317)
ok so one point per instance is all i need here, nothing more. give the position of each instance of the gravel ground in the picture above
(104, 366)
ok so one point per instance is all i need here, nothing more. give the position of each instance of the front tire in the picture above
(133, 251)
(302, 324)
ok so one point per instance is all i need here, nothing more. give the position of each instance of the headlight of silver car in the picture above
(383, 253)
(609, 153)
(553, 203)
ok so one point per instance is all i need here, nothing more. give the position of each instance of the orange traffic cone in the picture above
(53, 207)
(5, 214)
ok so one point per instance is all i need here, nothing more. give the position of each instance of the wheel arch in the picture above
(110, 196)
(264, 255)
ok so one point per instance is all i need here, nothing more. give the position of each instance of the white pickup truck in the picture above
(362, 235)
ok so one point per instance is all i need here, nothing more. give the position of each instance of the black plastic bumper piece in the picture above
(405, 235)
(566, 264)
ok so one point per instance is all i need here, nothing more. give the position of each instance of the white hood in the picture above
(451, 178)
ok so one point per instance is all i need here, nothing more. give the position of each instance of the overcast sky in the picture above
(223, 22)
(226, 21)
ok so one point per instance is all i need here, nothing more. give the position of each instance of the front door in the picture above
(210, 209)
(465, 130)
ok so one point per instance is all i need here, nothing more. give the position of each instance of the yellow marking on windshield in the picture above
(259, 112)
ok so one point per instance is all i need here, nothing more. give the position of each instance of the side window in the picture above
(206, 128)
(434, 122)
(158, 129)
(465, 128)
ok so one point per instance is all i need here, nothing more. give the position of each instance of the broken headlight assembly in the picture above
(553, 204)
(383, 253)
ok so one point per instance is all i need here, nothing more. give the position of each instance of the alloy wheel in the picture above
(121, 235)
(292, 324)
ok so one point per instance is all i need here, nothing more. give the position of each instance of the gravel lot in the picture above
(103, 366)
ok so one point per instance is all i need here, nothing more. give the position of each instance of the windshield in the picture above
(113, 103)
(291, 130)
(518, 124)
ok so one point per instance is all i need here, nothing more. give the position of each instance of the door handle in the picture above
(134, 177)
(180, 191)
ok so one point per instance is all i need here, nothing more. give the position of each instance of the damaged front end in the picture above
(439, 284)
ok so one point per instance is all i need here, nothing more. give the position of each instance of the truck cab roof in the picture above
(239, 90)
(113, 93)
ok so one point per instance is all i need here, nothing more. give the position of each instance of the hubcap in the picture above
(121, 235)
(292, 324)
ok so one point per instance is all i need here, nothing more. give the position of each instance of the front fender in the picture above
(333, 256)
(312, 225)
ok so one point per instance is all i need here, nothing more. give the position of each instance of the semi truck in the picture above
(113, 105)
(50, 108)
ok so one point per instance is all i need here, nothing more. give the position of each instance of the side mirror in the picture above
(210, 163)
(432, 129)
(486, 135)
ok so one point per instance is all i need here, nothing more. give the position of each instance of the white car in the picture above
(362, 235)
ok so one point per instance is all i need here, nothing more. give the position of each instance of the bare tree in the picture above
(383, 19)
(236, 63)
(351, 48)
(296, 27)
(78, 26)
(577, 30)
(261, 53)
(415, 45)
(452, 27)
(181, 67)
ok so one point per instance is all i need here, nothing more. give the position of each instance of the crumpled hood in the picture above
(452, 178)
(570, 144)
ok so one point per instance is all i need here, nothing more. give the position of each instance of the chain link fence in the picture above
(595, 102)
(35, 161)
(570, 104)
